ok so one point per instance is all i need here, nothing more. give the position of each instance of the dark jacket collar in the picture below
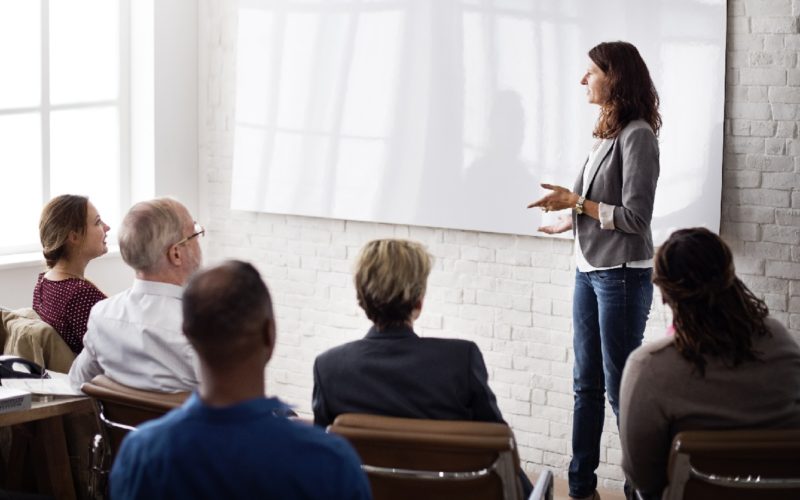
(392, 332)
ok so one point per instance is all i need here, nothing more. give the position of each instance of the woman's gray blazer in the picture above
(624, 174)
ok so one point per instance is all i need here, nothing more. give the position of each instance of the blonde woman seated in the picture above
(72, 234)
(393, 371)
(727, 366)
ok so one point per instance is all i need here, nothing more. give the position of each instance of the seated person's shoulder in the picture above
(121, 306)
(85, 294)
(664, 346)
(780, 333)
(353, 344)
(429, 346)
(655, 356)
(452, 345)
(87, 287)
(111, 301)
(458, 343)
(174, 436)
(339, 351)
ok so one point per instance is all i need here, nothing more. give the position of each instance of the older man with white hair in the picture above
(135, 336)
(228, 440)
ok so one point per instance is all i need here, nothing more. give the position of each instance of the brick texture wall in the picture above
(511, 294)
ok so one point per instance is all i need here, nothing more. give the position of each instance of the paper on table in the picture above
(56, 385)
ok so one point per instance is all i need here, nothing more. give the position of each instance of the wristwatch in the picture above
(579, 205)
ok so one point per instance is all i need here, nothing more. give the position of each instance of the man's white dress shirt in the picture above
(135, 338)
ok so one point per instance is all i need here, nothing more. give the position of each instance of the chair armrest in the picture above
(543, 489)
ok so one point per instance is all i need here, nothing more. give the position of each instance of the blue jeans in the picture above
(609, 314)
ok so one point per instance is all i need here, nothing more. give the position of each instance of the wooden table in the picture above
(49, 432)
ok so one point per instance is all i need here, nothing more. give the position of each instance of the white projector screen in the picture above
(449, 113)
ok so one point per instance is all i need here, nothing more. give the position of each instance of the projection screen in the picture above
(449, 113)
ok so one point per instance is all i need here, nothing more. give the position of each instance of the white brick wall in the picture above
(511, 294)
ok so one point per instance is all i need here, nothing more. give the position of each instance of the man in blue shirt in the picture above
(228, 440)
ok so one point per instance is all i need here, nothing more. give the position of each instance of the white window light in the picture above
(64, 110)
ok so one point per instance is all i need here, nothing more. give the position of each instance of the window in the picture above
(63, 110)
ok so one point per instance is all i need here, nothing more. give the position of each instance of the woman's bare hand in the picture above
(564, 223)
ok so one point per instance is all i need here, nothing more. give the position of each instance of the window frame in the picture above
(46, 108)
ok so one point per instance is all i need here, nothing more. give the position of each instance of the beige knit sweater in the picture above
(662, 394)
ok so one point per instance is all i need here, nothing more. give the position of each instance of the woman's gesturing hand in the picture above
(558, 198)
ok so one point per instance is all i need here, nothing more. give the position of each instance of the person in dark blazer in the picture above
(611, 209)
(393, 371)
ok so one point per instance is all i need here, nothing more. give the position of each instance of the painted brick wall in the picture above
(511, 294)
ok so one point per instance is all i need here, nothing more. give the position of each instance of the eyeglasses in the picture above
(198, 231)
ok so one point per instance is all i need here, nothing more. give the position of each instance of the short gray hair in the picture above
(148, 230)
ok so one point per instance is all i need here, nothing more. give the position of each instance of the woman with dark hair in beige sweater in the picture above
(728, 365)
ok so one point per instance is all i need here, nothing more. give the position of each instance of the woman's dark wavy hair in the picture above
(631, 93)
(714, 314)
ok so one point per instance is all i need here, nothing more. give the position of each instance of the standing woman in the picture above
(612, 205)
(72, 233)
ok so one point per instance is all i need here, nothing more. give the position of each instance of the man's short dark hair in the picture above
(226, 310)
